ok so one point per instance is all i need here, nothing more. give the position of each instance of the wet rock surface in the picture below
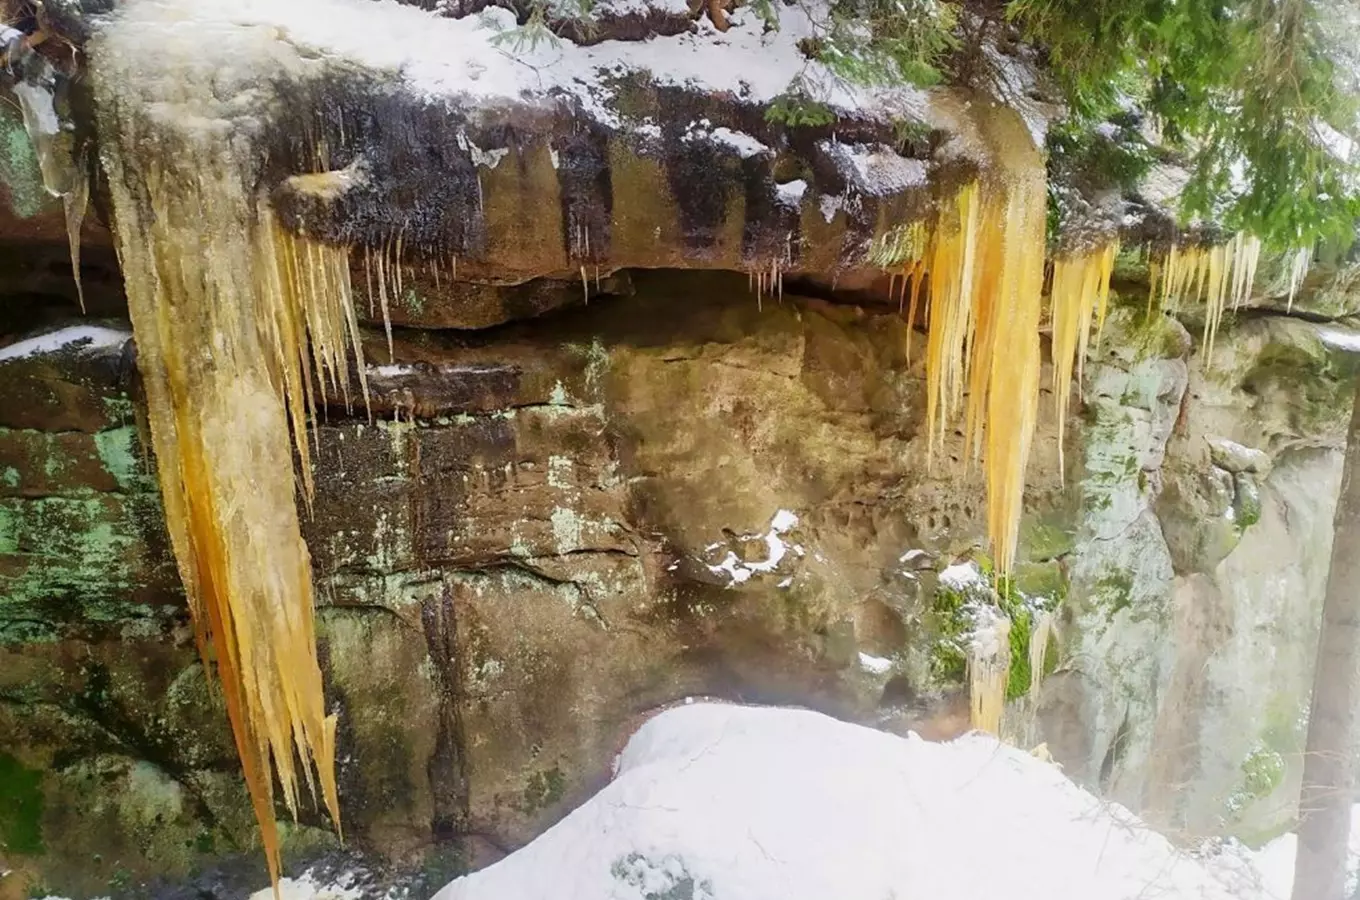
(587, 484)
(553, 526)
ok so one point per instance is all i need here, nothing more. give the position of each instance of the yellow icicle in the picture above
(1080, 292)
(236, 326)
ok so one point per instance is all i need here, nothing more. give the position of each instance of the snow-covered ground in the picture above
(723, 802)
(1271, 869)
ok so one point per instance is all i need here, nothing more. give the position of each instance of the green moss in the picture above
(1022, 612)
(413, 301)
(1262, 773)
(1044, 540)
(118, 453)
(19, 168)
(1246, 502)
(75, 559)
(545, 789)
(1131, 264)
(1318, 390)
(21, 808)
(952, 622)
(949, 623)
(1114, 591)
(634, 96)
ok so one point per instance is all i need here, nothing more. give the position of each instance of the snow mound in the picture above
(722, 802)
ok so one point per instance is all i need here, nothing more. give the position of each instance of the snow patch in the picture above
(830, 205)
(306, 887)
(790, 193)
(487, 158)
(621, 8)
(961, 576)
(76, 337)
(1340, 339)
(739, 571)
(745, 145)
(742, 143)
(874, 169)
(989, 635)
(875, 665)
(1275, 861)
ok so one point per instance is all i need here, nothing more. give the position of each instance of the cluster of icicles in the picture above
(982, 260)
(239, 330)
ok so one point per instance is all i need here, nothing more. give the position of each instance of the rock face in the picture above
(549, 532)
(552, 528)
(593, 484)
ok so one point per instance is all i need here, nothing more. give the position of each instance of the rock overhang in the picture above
(562, 159)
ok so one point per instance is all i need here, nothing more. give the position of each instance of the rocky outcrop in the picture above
(588, 484)
(551, 528)
(546, 532)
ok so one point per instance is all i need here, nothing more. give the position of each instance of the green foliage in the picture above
(537, 21)
(524, 38)
(795, 108)
(951, 623)
(1262, 773)
(1248, 91)
(544, 789)
(869, 42)
(1023, 614)
(885, 41)
(1120, 157)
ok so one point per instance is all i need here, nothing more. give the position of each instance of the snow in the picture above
(487, 158)
(874, 169)
(830, 205)
(740, 571)
(1339, 338)
(1275, 861)
(744, 145)
(961, 576)
(790, 193)
(240, 40)
(875, 665)
(988, 636)
(718, 801)
(80, 337)
(620, 8)
(307, 887)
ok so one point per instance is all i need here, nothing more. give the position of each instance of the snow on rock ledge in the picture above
(738, 803)
(654, 153)
(77, 338)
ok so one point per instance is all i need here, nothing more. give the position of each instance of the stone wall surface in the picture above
(551, 528)
(652, 426)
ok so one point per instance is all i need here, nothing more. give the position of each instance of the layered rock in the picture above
(593, 484)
